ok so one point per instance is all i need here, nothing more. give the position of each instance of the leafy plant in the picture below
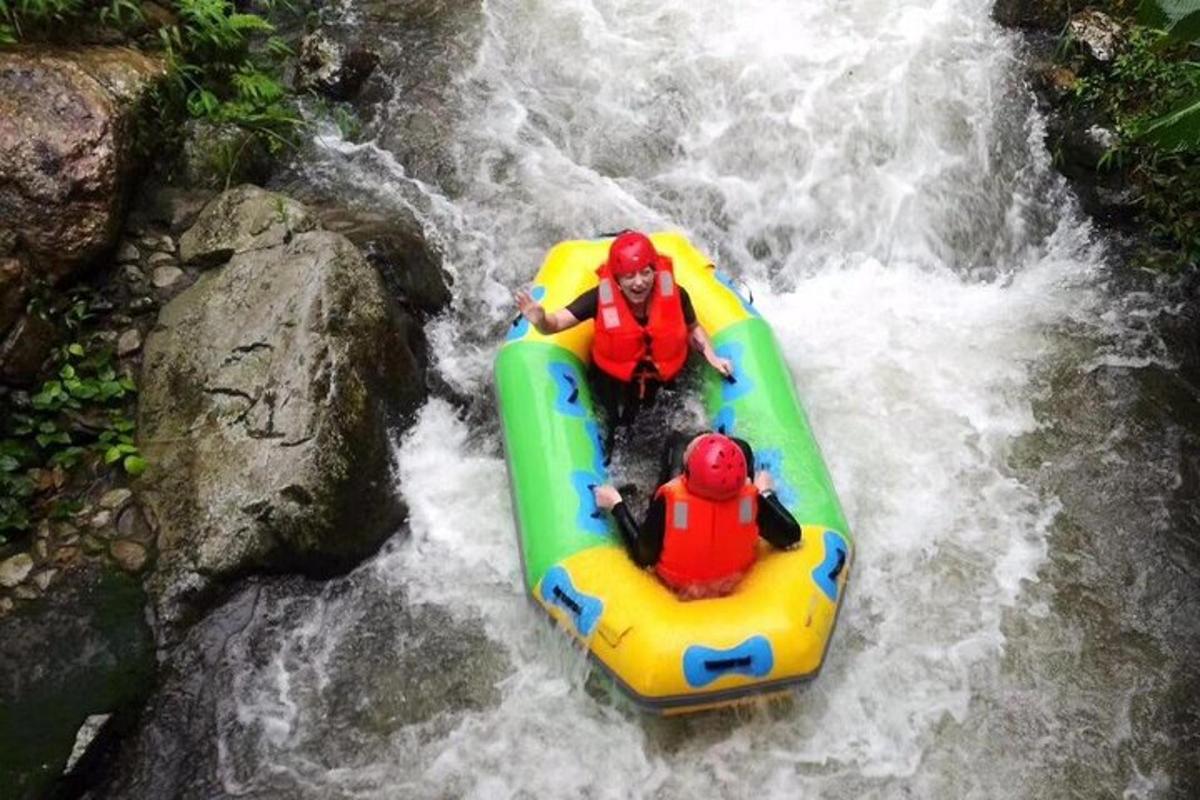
(77, 415)
(1150, 95)
(1179, 23)
(225, 67)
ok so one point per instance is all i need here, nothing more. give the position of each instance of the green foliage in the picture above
(1150, 94)
(1178, 18)
(77, 415)
(225, 67)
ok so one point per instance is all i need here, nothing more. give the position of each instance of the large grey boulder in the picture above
(67, 125)
(241, 219)
(269, 389)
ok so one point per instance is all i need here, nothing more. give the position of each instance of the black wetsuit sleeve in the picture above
(654, 526)
(643, 542)
(689, 312)
(775, 523)
(584, 306)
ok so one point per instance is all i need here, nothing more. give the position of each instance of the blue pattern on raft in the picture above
(520, 325)
(725, 421)
(569, 382)
(703, 665)
(593, 432)
(826, 573)
(583, 609)
(771, 459)
(743, 386)
(727, 282)
(590, 517)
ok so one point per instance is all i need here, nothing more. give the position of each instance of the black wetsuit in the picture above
(645, 542)
(621, 400)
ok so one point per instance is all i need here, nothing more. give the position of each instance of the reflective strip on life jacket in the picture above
(666, 284)
(746, 511)
(679, 517)
(606, 292)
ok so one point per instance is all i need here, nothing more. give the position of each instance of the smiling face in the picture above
(636, 286)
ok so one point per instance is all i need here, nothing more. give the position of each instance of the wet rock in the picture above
(66, 135)
(1054, 84)
(129, 343)
(82, 649)
(171, 207)
(166, 277)
(144, 305)
(6, 605)
(130, 556)
(93, 545)
(330, 68)
(422, 47)
(397, 247)
(115, 499)
(160, 260)
(1042, 15)
(100, 519)
(132, 524)
(84, 737)
(26, 348)
(15, 569)
(1097, 34)
(158, 244)
(12, 292)
(217, 155)
(240, 220)
(26, 592)
(42, 579)
(134, 274)
(387, 664)
(1081, 143)
(268, 392)
(128, 253)
(67, 555)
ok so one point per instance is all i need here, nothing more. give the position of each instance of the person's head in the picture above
(632, 260)
(714, 466)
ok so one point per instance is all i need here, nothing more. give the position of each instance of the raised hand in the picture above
(530, 309)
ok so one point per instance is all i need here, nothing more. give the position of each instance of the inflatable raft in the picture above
(668, 655)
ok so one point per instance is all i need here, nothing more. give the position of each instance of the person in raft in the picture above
(701, 530)
(644, 326)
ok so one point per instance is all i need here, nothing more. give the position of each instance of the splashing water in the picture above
(874, 173)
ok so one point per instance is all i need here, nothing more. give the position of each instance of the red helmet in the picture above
(715, 468)
(630, 252)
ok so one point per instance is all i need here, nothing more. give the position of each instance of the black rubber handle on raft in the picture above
(598, 513)
(720, 665)
(839, 566)
(729, 379)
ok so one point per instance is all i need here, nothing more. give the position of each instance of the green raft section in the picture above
(553, 440)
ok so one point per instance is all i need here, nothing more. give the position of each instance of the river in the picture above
(999, 402)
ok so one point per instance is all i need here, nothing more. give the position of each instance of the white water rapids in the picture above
(873, 170)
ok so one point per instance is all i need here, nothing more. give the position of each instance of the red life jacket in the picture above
(621, 343)
(706, 540)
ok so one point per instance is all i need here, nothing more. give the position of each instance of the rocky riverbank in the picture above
(268, 351)
(1103, 76)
